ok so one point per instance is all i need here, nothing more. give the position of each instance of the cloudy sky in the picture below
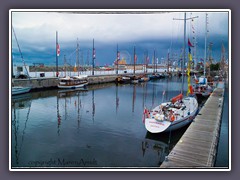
(36, 34)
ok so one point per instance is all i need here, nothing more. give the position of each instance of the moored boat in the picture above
(176, 113)
(73, 82)
(171, 115)
(20, 90)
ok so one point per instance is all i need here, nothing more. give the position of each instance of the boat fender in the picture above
(172, 118)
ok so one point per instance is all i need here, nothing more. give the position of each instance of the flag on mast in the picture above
(189, 67)
(189, 43)
(58, 49)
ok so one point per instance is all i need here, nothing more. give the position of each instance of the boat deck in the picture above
(198, 146)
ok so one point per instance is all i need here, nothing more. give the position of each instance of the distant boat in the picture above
(174, 114)
(144, 78)
(73, 82)
(20, 90)
(201, 88)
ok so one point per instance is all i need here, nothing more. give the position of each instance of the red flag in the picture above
(190, 44)
(58, 49)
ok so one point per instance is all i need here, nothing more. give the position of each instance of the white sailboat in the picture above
(176, 113)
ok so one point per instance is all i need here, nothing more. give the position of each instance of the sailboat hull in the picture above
(185, 116)
(20, 90)
(72, 86)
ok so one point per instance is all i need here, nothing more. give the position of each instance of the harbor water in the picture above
(101, 126)
(222, 159)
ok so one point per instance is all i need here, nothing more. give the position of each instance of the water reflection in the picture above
(96, 123)
(93, 106)
(117, 100)
(161, 145)
(19, 103)
(133, 97)
(66, 98)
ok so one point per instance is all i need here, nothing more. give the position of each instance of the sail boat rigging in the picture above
(79, 81)
(20, 89)
(202, 89)
(177, 112)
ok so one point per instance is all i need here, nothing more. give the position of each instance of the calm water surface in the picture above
(99, 127)
(222, 159)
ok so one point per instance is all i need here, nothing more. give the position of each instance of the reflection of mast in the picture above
(93, 106)
(134, 97)
(58, 116)
(16, 128)
(117, 100)
(79, 101)
(144, 94)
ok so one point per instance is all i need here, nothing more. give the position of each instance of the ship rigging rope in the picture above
(20, 52)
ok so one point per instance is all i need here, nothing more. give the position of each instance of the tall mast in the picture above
(93, 58)
(146, 62)
(154, 61)
(20, 53)
(184, 48)
(57, 54)
(65, 65)
(117, 58)
(134, 60)
(205, 52)
(184, 45)
(78, 57)
(168, 63)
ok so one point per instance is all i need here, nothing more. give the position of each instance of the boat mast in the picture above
(134, 60)
(93, 58)
(184, 47)
(57, 54)
(154, 62)
(20, 53)
(205, 52)
(168, 63)
(65, 66)
(184, 44)
(146, 62)
(117, 58)
(78, 57)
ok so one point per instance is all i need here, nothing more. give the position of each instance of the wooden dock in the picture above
(198, 146)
